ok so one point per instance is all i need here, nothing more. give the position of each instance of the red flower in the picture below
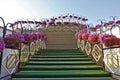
(84, 19)
(23, 22)
(110, 41)
(93, 29)
(64, 17)
(44, 23)
(30, 22)
(51, 23)
(34, 36)
(118, 22)
(106, 24)
(82, 26)
(70, 16)
(93, 38)
(11, 42)
(80, 35)
(79, 18)
(58, 23)
(28, 39)
(59, 17)
(118, 41)
(111, 22)
(98, 26)
(75, 17)
(66, 23)
(85, 36)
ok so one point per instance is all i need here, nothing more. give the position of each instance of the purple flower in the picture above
(19, 36)
(98, 26)
(2, 47)
(16, 35)
(72, 23)
(2, 44)
(66, 23)
(111, 22)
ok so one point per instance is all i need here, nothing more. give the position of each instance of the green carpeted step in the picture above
(78, 78)
(56, 53)
(64, 64)
(60, 56)
(62, 73)
(60, 63)
(59, 50)
(61, 67)
(60, 59)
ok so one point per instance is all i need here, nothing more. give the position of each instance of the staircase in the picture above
(61, 40)
(64, 64)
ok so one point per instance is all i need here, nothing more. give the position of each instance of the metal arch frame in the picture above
(29, 26)
(101, 22)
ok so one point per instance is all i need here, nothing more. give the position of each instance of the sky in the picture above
(12, 10)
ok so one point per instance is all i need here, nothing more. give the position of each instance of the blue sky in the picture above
(12, 10)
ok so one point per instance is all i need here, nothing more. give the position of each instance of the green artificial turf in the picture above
(63, 64)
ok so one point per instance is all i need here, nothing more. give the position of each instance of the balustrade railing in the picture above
(14, 56)
(105, 54)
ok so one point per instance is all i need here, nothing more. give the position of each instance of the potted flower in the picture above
(43, 23)
(93, 38)
(102, 37)
(93, 29)
(118, 22)
(34, 36)
(28, 38)
(111, 41)
(58, 23)
(14, 40)
(85, 36)
(66, 23)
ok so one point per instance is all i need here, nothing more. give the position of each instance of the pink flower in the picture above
(85, 36)
(98, 26)
(102, 37)
(111, 22)
(66, 23)
(82, 26)
(58, 23)
(93, 29)
(84, 19)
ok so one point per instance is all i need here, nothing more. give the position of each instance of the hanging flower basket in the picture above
(28, 38)
(118, 22)
(111, 41)
(12, 43)
(85, 36)
(93, 38)
(102, 37)
(14, 40)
